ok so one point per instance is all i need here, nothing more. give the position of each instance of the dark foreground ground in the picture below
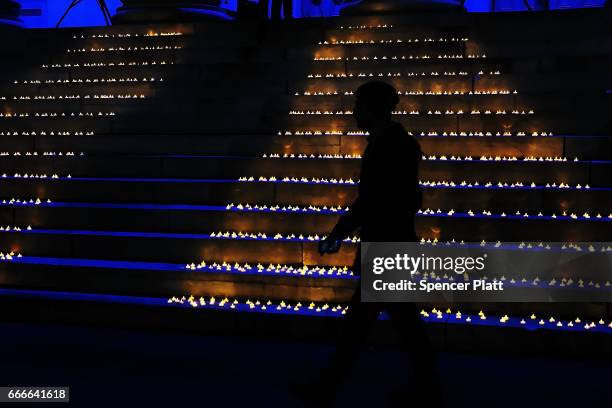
(119, 368)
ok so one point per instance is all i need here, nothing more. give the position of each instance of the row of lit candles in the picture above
(344, 272)
(521, 246)
(500, 184)
(55, 114)
(423, 183)
(306, 133)
(8, 228)
(417, 112)
(422, 212)
(390, 41)
(9, 256)
(398, 74)
(323, 133)
(524, 321)
(31, 201)
(488, 213)
(350, 181)
(314, 238)
(339, 310)
(285, 208)
(429, 158)
(238, 235)
(69, 153)
(414, 92)
(75, 96)
(500, 158)
(46, 133)
(525, 246)
(34, 176)
(274, 236)
(262, 306)
(302, 270)
(571, 247)
(107, 64)
(129, 35)
(310, 156)
(87, 81)
(366, 27)
(483, 134)
(315, 180)
(402, 57)
(134, 48)
(430, 133)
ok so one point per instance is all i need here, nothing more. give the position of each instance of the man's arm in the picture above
(348, 222)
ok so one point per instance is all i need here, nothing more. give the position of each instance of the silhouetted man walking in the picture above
(389, 196)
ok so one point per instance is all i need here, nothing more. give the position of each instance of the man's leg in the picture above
(355, 327)
(413, 332)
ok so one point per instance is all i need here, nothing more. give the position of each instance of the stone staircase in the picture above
(147, 162)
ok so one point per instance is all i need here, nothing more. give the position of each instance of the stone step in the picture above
(214, 55)
(180, 73)
(245, 317)
(551, 102)
(357, 64)
(140, 221)
(128, 99)
(594, 81)
(219, 118)
(320, 323)
(103, 40)
(168, 279)
(132, 29)
(571, 122)
(530, 198)
(190, 168)
(93, 70)
(414, 81)
(539, 46)
(367, 29)
(142, 246)
(482, 25)
(75, 102)
(332, 49)
(177, 91)
(525, 66)
(147, 89)
(584, 147)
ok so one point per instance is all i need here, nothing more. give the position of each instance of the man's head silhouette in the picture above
(373, 104)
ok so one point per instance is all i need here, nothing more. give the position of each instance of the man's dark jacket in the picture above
(389, 193)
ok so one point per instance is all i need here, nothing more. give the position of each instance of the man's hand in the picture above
(329, 245)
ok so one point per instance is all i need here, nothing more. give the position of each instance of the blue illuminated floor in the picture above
(108, 367)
